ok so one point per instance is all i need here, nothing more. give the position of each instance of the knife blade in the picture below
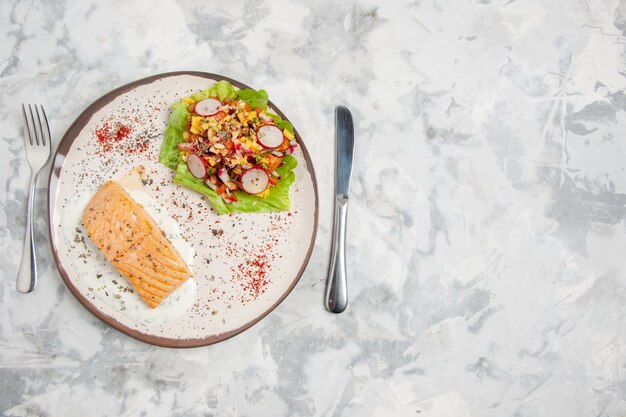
(337, 281)
(344, 143)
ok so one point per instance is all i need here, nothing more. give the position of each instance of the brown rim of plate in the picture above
(55, 173)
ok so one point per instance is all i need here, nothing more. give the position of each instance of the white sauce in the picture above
(104, 282)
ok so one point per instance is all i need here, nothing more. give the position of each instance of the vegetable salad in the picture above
(225, 144)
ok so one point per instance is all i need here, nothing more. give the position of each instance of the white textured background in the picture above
(487, 230)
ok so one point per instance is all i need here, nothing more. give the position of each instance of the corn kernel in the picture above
(287, 134)
(263, 194)
(242, 119)
(188, 100)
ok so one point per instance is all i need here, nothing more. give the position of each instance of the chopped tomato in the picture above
(284, 146)
(192, 106)
(229, 145)
(247, 107)
(221, 189)
(213, 179)
(221, 114)
(273, 162)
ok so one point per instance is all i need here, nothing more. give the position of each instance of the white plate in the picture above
(229, 248)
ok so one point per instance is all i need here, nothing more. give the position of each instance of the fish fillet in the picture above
(132, 241)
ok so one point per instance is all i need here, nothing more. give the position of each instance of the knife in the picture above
(337, 281)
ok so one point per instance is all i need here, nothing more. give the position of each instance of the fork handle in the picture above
(27, 277)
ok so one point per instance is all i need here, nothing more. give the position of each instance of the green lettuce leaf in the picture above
(255, 99)
(170, 155)
(280, 122)
(276, 200)
(220, 89)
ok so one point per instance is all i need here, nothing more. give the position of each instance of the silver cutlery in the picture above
(38, 149)
(337, 281)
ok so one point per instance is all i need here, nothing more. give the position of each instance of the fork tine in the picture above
(45, 119)
(43, 137)
(27, 134)
(32, 118)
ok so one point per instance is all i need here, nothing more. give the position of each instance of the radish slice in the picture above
(196, 165)
(186, 146)
(265, 117)
(270, 136)
(278, 154)
(210, 184)
(208, 107)
(254, 181)
(225, 177)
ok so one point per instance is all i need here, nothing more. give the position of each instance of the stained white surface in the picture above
(487, 226)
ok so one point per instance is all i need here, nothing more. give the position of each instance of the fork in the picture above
(38, 149)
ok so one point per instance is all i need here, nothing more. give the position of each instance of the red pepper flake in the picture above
(102, 133)
(122, 132)
(119, 135)
(108, 134)
(254, 274)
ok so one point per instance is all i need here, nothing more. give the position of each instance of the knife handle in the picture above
(337, 283)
